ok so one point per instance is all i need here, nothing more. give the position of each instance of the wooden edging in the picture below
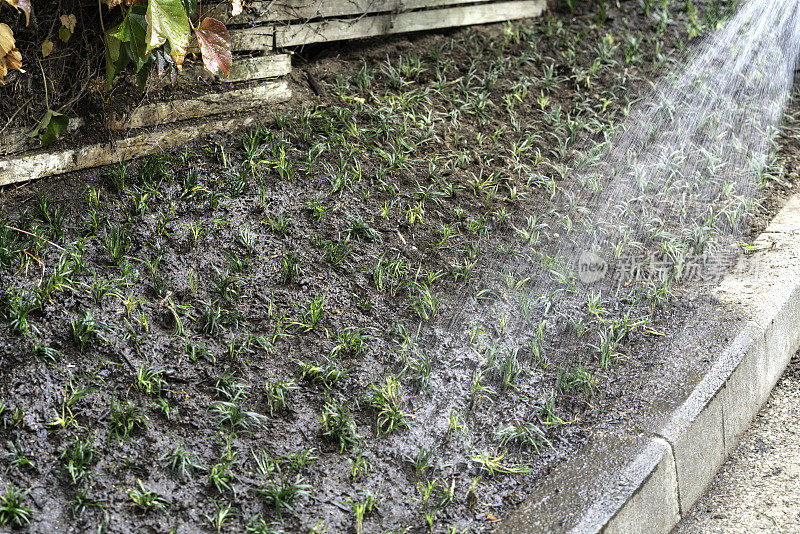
(19, 140)
(34, 166)
(262, 11)
(370, 26)
(242, 70)
(203, 106)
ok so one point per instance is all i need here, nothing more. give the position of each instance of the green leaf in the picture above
(64, 34)
(137, 25)
(143, 74)
(50, 128)
(168, 21)
(126, 43)
(133, 30)
(112, 58)
(191, 6)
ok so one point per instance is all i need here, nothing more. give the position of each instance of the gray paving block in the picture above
(746, 390)
(699, 450)
(654, 506)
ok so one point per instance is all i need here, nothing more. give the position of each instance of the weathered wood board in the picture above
(243, 69)
(203, 106)
(45, 163)
(370, 26)
(262, 11)
(19, 139)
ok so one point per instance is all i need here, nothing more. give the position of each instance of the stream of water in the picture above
(659, 204)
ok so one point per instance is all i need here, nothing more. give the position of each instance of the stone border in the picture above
(624, 483)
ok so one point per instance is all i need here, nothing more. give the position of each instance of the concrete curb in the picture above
(648, 480)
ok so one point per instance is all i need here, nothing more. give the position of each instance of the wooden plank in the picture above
(337, 30)
(19, 140)
(204, 106)
(34, 166)
(256, 38)
(243, 69)
(285, 10)
(250, 39)
(13, 140)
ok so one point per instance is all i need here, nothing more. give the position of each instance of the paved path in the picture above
(758, 488)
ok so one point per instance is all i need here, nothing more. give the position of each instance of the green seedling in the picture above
(181, 463)
(277, 393)
(147, 499)
(362, 508)
(338, 424)
(352, 341)
(14, 512)
(524, 433)
(78, 458)
(387, 399)
(492, 462)
(84, 329)
(125, 417)
(223, 513)
(325, 373)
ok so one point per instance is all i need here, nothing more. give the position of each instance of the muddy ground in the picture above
(293, 328)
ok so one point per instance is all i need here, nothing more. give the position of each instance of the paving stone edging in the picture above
(622, 483)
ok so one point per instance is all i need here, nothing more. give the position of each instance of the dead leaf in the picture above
(492, 518)
(10, 57)
(114, 3)
(47, 48)
(14, 60)
(215, 45)
(7, 42)
(69, 22)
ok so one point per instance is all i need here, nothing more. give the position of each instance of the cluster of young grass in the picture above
(193, 310)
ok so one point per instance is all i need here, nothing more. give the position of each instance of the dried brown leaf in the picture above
(69, 22)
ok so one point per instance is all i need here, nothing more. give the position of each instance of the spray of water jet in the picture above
(660, 203)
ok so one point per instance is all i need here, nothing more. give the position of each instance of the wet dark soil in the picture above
(150, 331)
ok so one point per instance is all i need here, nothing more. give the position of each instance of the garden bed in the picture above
(293, 328)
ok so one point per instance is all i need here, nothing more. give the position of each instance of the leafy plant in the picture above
(84, 329)
(147, 498)
(338, 424)
(278, 393)
(180, 462)
(78, 458)
(157, 33)
(13, 510)
(387, 399)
